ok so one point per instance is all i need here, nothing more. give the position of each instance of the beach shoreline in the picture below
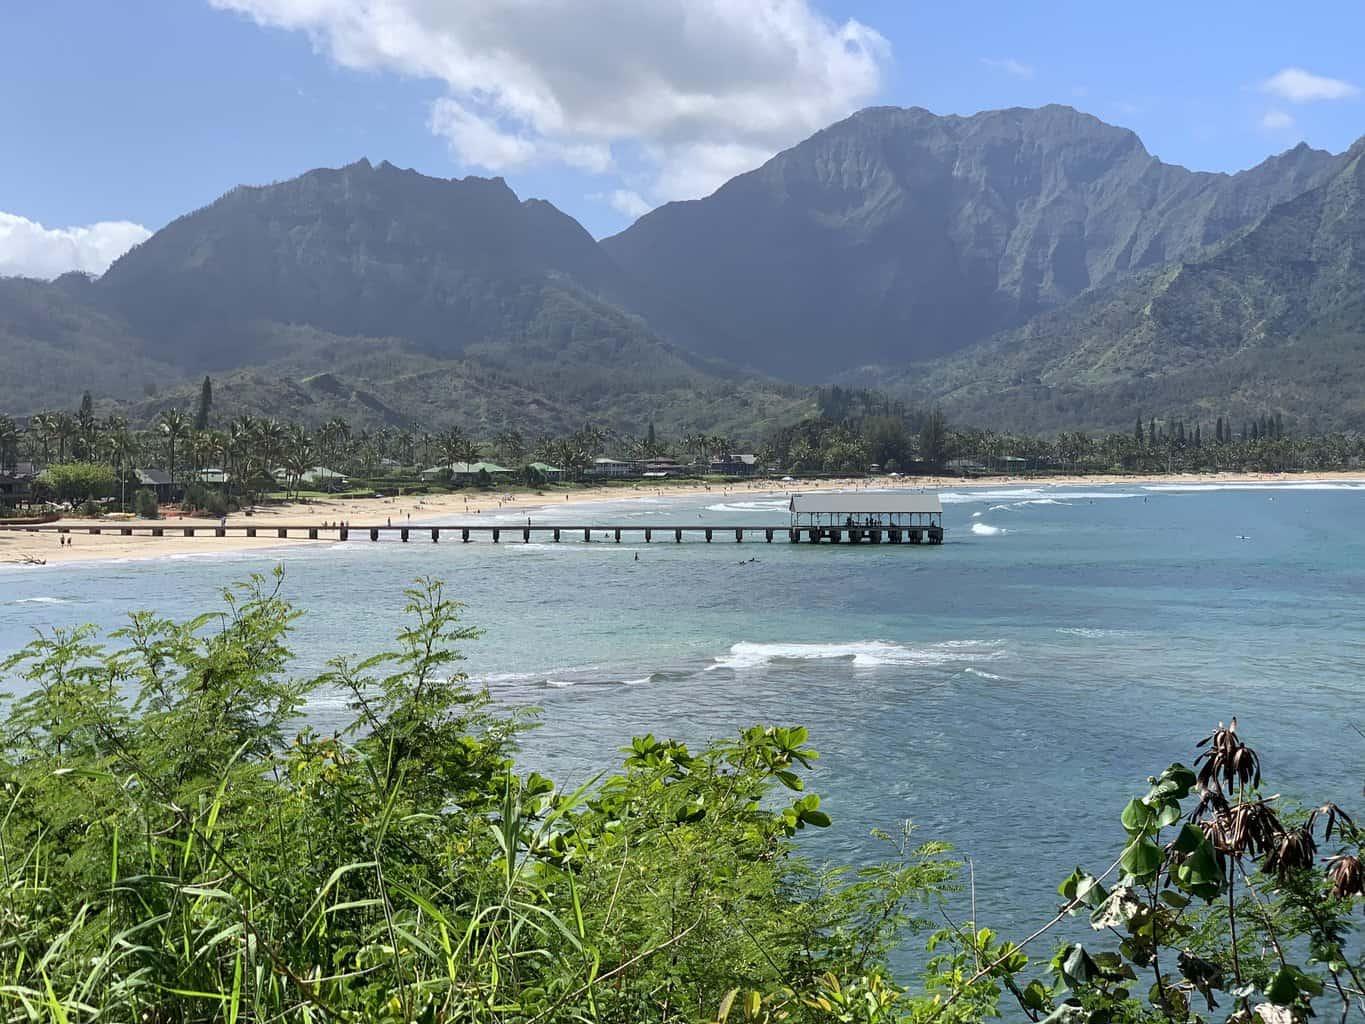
(21, 549)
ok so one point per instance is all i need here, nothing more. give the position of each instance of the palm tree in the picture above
(43, 426)
(65, 429)
(470, 452)
(449, 444)
(9, 444)
(511, 447)
(298, 457)
(173, 424)
(121, 448)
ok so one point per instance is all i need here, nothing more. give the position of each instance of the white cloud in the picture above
(701, 89)
(1009, 65)
(27, 249)
(1276, 121)
(1299, 86)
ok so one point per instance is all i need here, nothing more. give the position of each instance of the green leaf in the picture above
(1142, 860)
(1035, 995)
(1137, 817)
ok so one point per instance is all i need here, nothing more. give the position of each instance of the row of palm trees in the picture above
(251, 450)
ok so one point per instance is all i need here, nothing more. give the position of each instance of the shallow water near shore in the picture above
(1007, 691)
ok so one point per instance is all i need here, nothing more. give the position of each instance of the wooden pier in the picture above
(555, 533)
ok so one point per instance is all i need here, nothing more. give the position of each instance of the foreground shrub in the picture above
(177, 845)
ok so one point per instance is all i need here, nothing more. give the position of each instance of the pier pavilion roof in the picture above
(866, 503)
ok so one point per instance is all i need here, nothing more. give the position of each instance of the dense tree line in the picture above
(258, 455)
(855, 431)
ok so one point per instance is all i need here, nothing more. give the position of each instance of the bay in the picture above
(1006, 692)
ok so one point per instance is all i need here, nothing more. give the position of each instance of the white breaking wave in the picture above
(986, 529)
(866, 653)
(1019, 495)
(982, 674)
(558, 684)
(1090, 633)
(42, 600)
(1307, 485)
(749, 506)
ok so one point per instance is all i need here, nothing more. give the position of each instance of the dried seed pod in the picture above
(1338, 821)
(1227, 761)
(1291, 851)
(1347, 875)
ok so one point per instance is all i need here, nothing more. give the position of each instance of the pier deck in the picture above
(466, 532)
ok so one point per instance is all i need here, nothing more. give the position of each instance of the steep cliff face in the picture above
(897, 234)
(1271, 318)
(360, 250)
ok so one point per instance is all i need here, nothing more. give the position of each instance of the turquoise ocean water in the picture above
(1007, 691)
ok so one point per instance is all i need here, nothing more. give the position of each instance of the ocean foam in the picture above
(42, 600)
(864, 654)
(1092, 634)
(1251, 485)
(1019, 495)
(749, 506)
(969, 670)
(986, 529)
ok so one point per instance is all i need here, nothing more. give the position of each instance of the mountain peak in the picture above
(905, 234)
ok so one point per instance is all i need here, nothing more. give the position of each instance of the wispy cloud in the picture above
(1009, 65)
(624, 201)
(1299, 86)
(1276, 121)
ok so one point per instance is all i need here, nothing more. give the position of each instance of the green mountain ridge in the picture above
(1273, 317)
(897, 235)
(1036, 267)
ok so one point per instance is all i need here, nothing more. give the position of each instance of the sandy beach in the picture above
(28, 549)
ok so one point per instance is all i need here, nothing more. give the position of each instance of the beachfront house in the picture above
(16, 484)
(547, 471)
(734, 465)
(159, 482)
(611, 468)
(659, 467)
(466, 472)
(320, 478)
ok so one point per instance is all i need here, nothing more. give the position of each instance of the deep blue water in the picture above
(1007, 692)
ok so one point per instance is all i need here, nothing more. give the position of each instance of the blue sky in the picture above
(130, 113)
